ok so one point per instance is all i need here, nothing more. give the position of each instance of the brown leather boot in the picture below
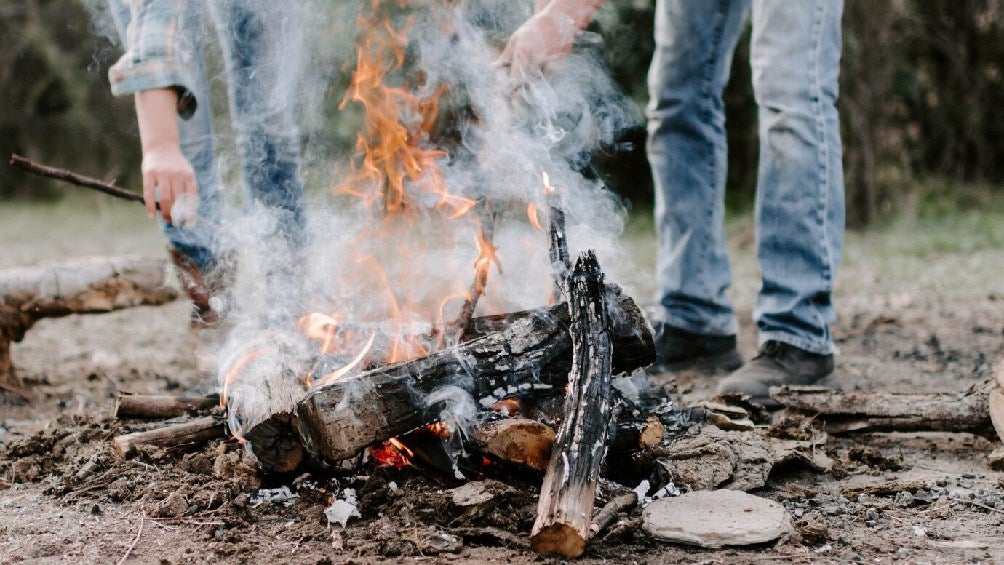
(209, 291)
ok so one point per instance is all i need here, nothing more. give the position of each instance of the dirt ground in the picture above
(916, 315)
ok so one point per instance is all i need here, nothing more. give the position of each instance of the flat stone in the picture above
(476, 493)
(716, 518)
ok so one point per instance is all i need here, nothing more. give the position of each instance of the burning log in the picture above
(523, 353)
(565, 508)
(516, 440)
(195, 431)
(162, 407)
(859, 412)
(84, 286)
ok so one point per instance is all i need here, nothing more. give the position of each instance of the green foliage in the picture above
(56, 103)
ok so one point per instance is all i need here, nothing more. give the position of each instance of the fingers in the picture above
(149, 194)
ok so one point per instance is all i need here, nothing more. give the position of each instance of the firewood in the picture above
(530, 353)
(997, 400)
(558, 249)
(849, 412)
(161, 406)
(192, 432)
(516, 440)
(565, 507)
(82, 286)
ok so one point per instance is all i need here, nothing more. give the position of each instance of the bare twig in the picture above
(134, 541)
(73, 178)
(486, 256)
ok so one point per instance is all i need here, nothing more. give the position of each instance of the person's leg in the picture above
(688, 155)
(195, 248)
(262, 54)
(795, 58)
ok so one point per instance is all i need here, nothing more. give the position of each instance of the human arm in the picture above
(167, 174)
(547, 35)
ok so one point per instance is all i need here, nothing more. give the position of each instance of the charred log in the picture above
(565, 508)
(530, 354)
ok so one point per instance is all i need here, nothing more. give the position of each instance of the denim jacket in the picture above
(159, 47)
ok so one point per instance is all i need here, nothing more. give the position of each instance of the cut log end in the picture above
(276, 444)
(520, 441)
(558, 539)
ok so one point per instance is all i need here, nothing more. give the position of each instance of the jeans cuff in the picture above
(708, 327)
(812, 346)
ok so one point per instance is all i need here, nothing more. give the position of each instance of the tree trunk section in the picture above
(565, 508)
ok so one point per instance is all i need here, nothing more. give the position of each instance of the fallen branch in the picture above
(849, 412)
(82, 286)
(162, 407)
(609, 513)
(565, 507)
(193, 432)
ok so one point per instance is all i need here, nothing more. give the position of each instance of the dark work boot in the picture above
(209, 291)
(679, 350)
(777, 364)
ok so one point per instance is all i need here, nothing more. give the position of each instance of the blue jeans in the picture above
(794, 55)
(261, 81)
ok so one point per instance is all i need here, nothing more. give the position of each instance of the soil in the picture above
(66, 496)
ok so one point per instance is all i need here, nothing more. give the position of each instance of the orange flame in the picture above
(235, 372)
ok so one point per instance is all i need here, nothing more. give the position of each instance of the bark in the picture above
(565, 507)
(162, 407)
(858, 412)
(193, 432)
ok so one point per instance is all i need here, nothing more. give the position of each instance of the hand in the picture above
(168, 178)
(167, 175)
(540, 41)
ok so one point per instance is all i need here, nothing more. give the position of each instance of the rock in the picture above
(714, 519)
(996, 459)
(173, 506)
(477, 492)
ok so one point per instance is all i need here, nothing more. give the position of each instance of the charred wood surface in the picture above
(848, 412)
(194, 432)
(162, 407)
(565, 507)
(528, 353)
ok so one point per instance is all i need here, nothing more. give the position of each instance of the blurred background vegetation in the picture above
(922, 103)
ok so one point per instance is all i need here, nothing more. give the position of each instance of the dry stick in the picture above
(134, 541)
(74, 178)
(192, 432)
(565, 508)
(162, 407)
(608, 513)
(480, 278)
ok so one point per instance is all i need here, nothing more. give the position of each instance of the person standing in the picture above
(799, 209)
(163, 67)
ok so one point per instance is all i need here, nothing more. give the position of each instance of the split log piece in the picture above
(162, 406)
(565, 507)
(849, 412)
(81, 286)
(195, 431)
(531, 354)
(516, 440)
(609, 512)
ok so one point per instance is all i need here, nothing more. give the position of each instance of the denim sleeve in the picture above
(158, 51)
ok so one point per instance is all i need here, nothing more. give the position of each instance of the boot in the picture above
(777, 364)
(679, 350)
(209, 292)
